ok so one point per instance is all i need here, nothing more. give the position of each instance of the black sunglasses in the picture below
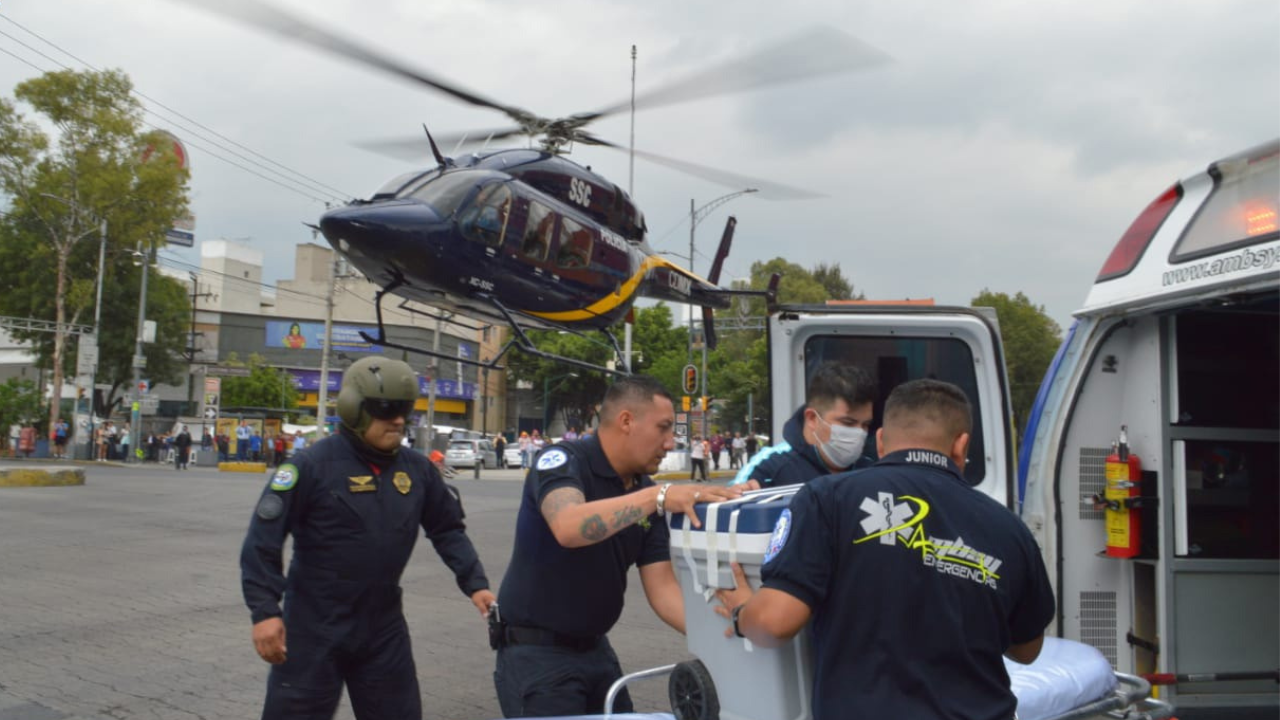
(379, 409)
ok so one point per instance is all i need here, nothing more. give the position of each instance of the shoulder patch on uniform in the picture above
(552, 458)
(270, 507)
(778, 539)
(285, 478)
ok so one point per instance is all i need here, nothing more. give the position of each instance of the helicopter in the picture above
(524, 236)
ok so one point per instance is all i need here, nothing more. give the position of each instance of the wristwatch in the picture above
(736, 612)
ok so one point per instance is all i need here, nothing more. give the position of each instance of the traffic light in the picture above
(685, 403)
(703, 401)
(690, 379)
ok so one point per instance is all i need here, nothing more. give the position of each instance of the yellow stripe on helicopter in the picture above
(616, 298)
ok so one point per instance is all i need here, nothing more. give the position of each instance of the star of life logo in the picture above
(900, 521)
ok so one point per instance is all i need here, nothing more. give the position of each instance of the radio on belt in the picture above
(747, 682)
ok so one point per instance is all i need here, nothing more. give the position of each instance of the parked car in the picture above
(466, 453)
(512, 455)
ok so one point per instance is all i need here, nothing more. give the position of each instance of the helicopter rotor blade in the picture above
(411, 148)
(265, 16)
(766, 189)
(813, 53)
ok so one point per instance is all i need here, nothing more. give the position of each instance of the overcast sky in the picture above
(1006, 145)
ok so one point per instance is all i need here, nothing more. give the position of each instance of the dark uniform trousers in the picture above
(379, 674)
(550, 681)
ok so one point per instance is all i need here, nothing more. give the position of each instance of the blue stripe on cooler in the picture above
(757, 511)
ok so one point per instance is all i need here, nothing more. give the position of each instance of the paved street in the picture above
(120, 600)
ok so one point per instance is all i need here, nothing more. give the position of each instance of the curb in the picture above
(53, 477)
(243, 467)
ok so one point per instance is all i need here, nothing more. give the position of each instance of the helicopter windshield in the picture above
(393, 186)
(445, 193)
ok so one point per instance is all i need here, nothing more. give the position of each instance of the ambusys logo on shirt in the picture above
(900, 521)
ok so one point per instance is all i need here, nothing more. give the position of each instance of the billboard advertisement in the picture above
(295, 335)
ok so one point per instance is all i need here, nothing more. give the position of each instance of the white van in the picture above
(1178, 343)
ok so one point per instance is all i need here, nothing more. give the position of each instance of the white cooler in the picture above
(751, 683)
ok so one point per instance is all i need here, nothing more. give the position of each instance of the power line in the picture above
(306, 182)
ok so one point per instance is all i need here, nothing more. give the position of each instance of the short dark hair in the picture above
(630, 389)
(928, 408)
(839, 381)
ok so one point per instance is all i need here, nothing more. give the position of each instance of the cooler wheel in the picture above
(692, 692)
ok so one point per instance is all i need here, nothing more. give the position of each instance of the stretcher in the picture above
(1069, 681)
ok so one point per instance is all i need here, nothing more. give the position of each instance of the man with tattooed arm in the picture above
(589, 513)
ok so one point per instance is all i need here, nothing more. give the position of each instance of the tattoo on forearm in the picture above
(626, 516)
(593, 529)
(558, 500)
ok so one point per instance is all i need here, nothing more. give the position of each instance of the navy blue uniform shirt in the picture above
(793, 461)
(574, 591)
(354, 526)
(918, 584)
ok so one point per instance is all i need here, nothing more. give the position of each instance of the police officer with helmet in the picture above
(353, 503)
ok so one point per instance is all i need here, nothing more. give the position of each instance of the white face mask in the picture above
(845, 446)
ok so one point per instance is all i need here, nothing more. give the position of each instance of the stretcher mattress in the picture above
(1065, 676)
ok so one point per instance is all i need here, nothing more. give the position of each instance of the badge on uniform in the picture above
(553, 458)
(778, 539)
(402, 482)
(285, 478)
(361, 483)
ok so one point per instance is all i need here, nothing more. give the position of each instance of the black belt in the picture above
(518, 635)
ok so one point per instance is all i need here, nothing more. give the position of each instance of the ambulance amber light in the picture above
(1134, 242)
(1259, 221)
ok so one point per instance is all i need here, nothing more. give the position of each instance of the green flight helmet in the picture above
(376, 387)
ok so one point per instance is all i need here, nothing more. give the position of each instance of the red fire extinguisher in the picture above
(1124, 523)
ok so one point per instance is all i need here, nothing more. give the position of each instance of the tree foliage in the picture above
(1030, 339)
(19, 404)
(265, 387)
(98, 166)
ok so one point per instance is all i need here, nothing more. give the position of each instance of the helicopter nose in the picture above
(380, 231)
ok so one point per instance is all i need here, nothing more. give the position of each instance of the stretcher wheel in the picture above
(692, 692)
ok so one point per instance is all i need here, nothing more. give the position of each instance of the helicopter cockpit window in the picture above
(537, 232)
(486, 220)
(575, 245)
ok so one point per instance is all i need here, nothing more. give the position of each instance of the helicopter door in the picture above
(539, 229)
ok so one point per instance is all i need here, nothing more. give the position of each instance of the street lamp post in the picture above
(546, 395)
(695, 217)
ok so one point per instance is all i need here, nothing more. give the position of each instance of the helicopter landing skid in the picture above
(522, 341)
(382, 341)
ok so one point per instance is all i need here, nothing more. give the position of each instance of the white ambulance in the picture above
(1165, 549)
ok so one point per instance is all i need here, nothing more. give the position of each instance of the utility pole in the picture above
(322, 397)
(97, 332)
(192, 350)
(432, 374)
(139, 360)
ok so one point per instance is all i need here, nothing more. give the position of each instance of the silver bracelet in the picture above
(662, 499)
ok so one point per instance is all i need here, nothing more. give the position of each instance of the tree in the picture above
(265, 387)
(19, 403)
(1030, 339)
(100, 168)
(838, 286)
